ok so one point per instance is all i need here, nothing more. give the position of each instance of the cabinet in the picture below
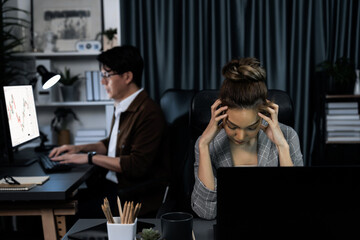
(340, 135)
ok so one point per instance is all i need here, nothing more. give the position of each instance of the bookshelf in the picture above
(91, 114)
(341, 130)
(342, 119)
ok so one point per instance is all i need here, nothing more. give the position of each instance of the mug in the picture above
(177, 226)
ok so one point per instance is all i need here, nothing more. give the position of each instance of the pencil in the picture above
(107, 208)
(119, 206)
(126, 212)
(130, 217)
(106, 213)
(137, 211)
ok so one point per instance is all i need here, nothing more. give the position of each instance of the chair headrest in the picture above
(200, 113)
(175, 104)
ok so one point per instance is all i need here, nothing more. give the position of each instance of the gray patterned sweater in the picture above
(203, 200)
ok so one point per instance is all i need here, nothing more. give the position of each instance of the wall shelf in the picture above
(57, 54)
(73, 104)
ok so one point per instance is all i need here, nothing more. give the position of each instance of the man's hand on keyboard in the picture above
(63, 149)
(76, 158)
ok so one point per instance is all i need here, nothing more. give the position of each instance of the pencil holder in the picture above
(118, 230)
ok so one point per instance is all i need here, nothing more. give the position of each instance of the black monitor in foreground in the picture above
(19, 124)
(287, 201)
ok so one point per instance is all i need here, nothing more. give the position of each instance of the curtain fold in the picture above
(185, 43)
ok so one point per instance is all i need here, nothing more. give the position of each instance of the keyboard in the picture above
(52, 166)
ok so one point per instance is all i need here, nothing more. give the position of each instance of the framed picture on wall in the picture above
(58, 25)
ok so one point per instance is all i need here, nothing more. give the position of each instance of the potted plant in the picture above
(68, 85)
(109, 38)
(60, 124)
(341, 75)
(149, 234)
(10, 42)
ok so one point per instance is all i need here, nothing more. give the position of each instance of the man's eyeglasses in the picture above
(10, 180)
(107, 75)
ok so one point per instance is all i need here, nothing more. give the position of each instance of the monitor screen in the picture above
(21, 113)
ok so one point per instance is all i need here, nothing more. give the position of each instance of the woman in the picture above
(243, 131)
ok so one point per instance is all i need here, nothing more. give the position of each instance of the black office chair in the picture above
(188, 113)
(286, 106)
(175, 104)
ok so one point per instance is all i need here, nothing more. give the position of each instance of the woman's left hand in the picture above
(273, 130)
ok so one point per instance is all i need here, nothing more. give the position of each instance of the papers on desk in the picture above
(30, 180)
(15, 187)
(26, 183)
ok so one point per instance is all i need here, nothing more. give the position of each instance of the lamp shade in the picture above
(49, 79)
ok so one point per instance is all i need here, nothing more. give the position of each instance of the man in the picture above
(132, 159)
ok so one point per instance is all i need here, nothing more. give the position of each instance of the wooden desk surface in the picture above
(60, 186)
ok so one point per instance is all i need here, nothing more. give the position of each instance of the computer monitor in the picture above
(19, 124)
(282, 201)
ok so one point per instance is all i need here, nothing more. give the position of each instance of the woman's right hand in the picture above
(217, 115)
(64, 149)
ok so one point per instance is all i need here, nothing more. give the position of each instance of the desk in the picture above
(52, 200)
(203, 229)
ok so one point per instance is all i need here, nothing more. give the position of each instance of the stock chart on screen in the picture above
(21, 112)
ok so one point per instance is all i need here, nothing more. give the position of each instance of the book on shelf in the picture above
(92, 139)
(85, 136)
(343, 139)
(103, 93)
(96, 85)
(84, 142)
(343, 128)
(95, 91)
(343, 117)
(91, 132)
(342, 105)
(343, 122)
(344, 134)
(343, 111)
(89, 86)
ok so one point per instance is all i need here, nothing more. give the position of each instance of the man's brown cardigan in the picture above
(141, 146)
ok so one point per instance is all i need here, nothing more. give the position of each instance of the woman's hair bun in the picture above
(244, 69)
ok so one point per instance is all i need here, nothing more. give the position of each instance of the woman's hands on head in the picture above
(218, 113)
(273, 130)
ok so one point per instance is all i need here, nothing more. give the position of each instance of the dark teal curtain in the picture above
(186, 42)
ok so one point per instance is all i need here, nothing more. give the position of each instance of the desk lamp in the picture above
(49, 79)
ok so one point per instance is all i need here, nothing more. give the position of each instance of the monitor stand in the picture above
(23, 157)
